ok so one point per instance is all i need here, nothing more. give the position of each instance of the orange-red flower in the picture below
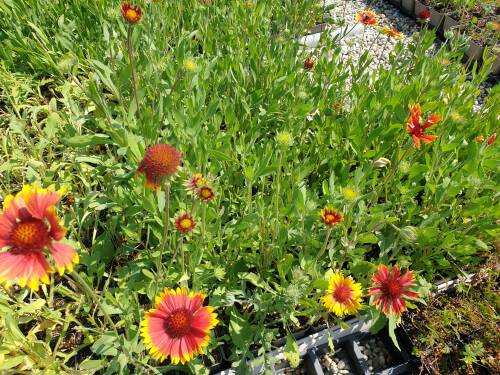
(491, 138)
(206, 193)
(179, 326)
(131, 13)
(330, 216)
(391, 289)
(424, 15)
(185, 223)
(29, 230)
(367, 18)
(417, 129)
(337, 106)
(391, 32)
(160, 161)
(195, 182)
(309, 63)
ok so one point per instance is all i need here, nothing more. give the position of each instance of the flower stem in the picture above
(277, 195)
(203, 219)
(93, 297)
(325, 244)
(159, 267)
(132, 64)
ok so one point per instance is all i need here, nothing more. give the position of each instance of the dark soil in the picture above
(458, 332)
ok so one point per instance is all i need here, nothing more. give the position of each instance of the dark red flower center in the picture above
(342, 293)
(178, 323)
(32, 234)
(392, 288)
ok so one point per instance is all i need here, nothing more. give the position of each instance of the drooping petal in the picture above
(428, 138)
(57, 231)
(64, 256)
(38, 200)
(25, 268)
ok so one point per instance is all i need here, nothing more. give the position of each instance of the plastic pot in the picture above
(407, 6)
(474, 53)
(396, 3)
(448, 24)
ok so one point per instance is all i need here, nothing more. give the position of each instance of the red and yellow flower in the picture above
(160, 161)
(206, 193)
(343, 296)
(491, 138)
(331, 216)
(417, 129)
(194, 182)
(185, 223)
(367, 18)
(29, 231)
(179, 326)
(390, 290)
(391, 32)
(131, 13)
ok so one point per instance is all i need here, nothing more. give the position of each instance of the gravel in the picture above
(379, 45)
(336, 363)
(376, 354)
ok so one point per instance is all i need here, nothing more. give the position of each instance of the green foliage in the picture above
(68, 116)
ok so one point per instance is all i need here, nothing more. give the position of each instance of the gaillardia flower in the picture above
(367, 18)
(417, 129)
(390, 290)
(194, 182)
(29, 231)
(179, 326)
(391, 32)
(185, 223)
(343, 296)
(131, 13)
(330, 216)
(424, 15)
(160, 161)
(206, 193)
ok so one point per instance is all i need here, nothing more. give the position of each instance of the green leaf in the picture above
(240, 330)
(11, 362)
(86, 140)
(320, 284)
(368, 238)
(392, 329)
(291, 352)
(92, 364)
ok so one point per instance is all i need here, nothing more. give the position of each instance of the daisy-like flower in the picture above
(424, 15)
(194, 182)
(417, 129)
(206, 193)
(185, 223)
(367, 18)
(331, 216)
(160, 161)
(131, 13)
(179, 326)
(343, 296)
(309, 63)
(391, 289)
(391, 32)
(30, 231)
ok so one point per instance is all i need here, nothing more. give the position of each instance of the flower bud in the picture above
(381, 162)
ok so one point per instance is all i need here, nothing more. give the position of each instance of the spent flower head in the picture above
(160, 161)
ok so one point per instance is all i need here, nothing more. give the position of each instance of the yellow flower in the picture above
(343, 296)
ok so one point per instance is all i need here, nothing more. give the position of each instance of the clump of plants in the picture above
(188, 184)
(457, 332)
